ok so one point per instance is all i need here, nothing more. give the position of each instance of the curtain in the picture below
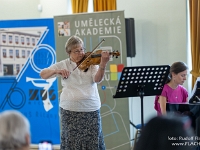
(79, 6)
(104, 5)
(195, 38)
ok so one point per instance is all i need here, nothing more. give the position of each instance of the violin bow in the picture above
(89, 54)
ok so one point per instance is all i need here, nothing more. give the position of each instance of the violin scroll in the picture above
(115, 53)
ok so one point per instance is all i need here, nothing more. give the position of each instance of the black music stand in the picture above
(142, 81)
(196, 96)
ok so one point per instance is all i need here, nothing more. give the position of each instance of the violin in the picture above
(93, 59)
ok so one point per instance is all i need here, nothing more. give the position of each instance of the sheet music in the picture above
(194, 88)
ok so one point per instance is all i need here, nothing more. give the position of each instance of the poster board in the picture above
(93, 28)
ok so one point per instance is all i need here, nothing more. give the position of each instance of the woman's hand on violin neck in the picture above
(63, 72)
(105, 57)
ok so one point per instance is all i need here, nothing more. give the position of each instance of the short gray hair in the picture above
(73, 42)
(14, 127)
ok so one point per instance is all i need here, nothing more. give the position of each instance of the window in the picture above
(5, 70)
(10, 37)
(17, 53)
(28, 53)
(4, 53)
(11, 53)
(33, 41)
(4, 38)
(16, 39)
(22, 40)
(23, 53)
(28, 41)
(17, 68)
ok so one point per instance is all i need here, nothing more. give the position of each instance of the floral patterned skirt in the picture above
(81, 130)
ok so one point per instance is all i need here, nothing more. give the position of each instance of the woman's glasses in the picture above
(78, 51)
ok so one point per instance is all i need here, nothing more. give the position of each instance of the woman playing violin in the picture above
(79, 101)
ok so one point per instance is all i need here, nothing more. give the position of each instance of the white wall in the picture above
(160, 31)
(161, 34)
(51, 8)
(28, 9)
(161, 39)
(19, 9)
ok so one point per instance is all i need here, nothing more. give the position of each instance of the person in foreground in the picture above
(167, 133)
(173, 91)
(79, 101)
(14, 131)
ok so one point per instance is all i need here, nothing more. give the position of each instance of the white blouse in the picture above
(79, 92)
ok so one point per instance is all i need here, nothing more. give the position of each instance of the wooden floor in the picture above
(35, 147)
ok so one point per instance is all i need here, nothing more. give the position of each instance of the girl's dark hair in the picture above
(176, 68)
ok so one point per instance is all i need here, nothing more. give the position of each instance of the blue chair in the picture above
(138, 128)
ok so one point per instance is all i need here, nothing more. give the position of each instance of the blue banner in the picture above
(26, 47)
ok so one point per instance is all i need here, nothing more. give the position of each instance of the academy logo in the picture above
(115, 71)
